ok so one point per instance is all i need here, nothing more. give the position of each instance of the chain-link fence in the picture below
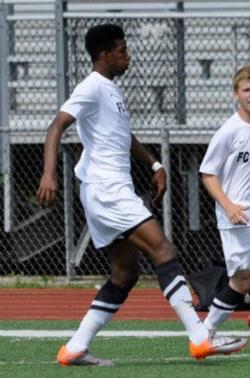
(178, 92)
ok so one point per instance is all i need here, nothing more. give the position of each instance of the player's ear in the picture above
(235, 95)
(104, 55)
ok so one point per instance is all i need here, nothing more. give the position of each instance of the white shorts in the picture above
(236, 248)
(111, 209)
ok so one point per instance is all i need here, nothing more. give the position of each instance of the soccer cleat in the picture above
(64, 357)
(248, 320)
(217, 345)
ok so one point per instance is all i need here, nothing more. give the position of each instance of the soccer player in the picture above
(116, 216)
(226, 175)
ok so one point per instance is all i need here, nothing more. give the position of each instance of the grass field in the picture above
(167, 356)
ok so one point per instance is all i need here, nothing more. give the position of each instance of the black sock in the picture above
(170, 277)
(227, 299)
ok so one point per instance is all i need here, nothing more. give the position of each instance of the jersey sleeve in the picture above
(216, 154)
(82, 101)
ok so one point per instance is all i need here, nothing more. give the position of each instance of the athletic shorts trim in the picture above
(130, 231)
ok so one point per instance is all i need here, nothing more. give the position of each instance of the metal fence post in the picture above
(61, 53)
(3, 84)
(62, 94)
(193, 194)
(181, 98)
(5, 149)
(167, 210)
(234, 47)
(68, 210)
(234, 58)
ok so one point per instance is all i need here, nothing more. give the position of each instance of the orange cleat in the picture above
(216, 345)
(64, 357)
(248, 320)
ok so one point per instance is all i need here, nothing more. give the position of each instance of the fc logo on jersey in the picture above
(121, 107)
(243, 156)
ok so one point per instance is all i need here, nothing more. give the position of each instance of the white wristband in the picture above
(156, 166)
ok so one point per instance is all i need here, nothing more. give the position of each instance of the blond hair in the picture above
(242, 74)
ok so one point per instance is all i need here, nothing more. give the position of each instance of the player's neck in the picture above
(102, 70)
(244, 115)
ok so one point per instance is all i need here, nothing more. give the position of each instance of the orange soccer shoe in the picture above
(64, 357)
(216, 345)
(248, 320)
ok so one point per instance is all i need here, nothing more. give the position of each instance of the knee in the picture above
(170, 249)
(125, 279)
(241, 281)
(164, 251)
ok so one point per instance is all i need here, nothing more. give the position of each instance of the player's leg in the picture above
(227, 300)
(236, 250)
(124, 275)
(149, 238)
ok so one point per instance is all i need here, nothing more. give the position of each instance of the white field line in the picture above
(30, 333)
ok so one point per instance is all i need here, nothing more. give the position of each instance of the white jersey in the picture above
(103, 128)
(228, 157)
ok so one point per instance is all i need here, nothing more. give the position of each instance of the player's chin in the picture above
(122, 71)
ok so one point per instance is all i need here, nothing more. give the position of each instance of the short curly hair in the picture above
(102, 38)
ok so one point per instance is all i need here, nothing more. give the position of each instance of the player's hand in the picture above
(47, 191)
(159, 182)
(236, 214)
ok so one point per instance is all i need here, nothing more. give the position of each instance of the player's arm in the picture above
(234, 211)
(48, 188)
(159, 180)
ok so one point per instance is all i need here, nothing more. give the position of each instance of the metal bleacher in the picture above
(184, 67)
(209, 65)
(213, 53)
(32, 77)
(32, 93)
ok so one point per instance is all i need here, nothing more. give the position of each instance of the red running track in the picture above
(61, 304)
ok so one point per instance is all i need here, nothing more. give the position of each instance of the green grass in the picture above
(115, 325)
(134, 357)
